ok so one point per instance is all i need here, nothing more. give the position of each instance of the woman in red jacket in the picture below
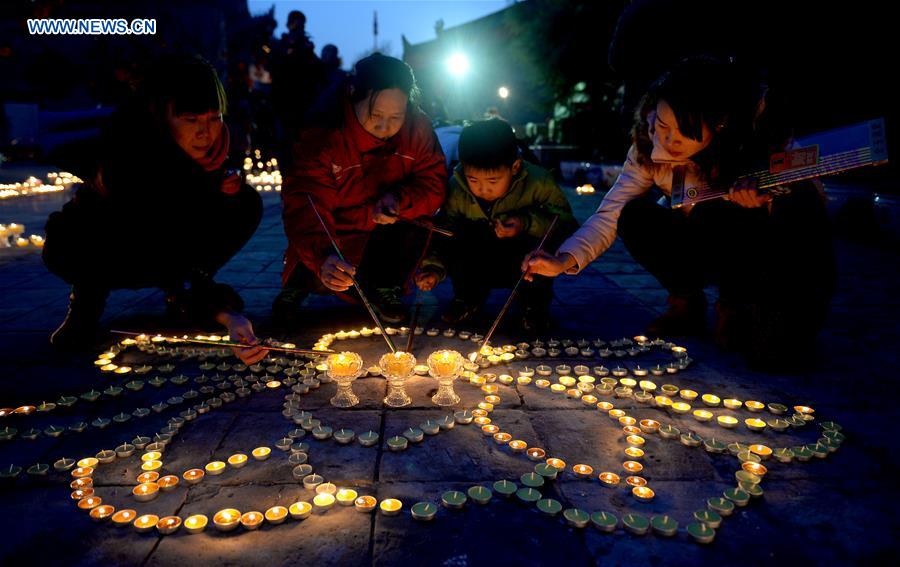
(372, 160)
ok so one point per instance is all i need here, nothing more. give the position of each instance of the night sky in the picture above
(348, 24)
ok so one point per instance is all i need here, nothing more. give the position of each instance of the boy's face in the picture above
(491, 184)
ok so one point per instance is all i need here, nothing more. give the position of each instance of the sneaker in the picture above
(79, 328)
(686, 316)
(286, 306)
(460, 311)
(389, 305)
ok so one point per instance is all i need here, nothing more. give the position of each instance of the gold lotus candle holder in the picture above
(445, 366)
(397, 367)
(344, 368)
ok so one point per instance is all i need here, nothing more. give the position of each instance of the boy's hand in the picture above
(241, 330)
(546, 264)
(746, 194)
(336, 274)
(386, 209)
(426, 280)
(509, 227)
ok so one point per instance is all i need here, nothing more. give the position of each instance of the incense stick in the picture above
(359, 290)
(489, 334)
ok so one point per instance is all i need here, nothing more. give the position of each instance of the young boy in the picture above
(499, 207)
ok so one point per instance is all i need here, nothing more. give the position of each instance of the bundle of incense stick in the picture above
(194, 340)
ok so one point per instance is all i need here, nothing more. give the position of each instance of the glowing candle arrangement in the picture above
(445, 366)
(397, 367)
(751, 470)
(344, 368)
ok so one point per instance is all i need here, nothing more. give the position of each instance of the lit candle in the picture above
(688, 395)
(300, 510)
(90, 502)
(609, 479)
(123, 518)
(711, 400)
(754, 406)
(636, 481)
(261, 453)
(502, 438)
(649, 425)
(643, 493)
(193, 476)
(702, 415)
(154, 465)
(517, 445)
(635, 440)
(168, 525)
(276, 514)
(755, 424)
(583, 471)
(634, 452)
(146, 523)
(168, 482)
(80, 472)
(632, 467)
(251, 520)
(558, 464)
(536, 454)
(215, 468)
(365, 504)
(732, 403)
(489, 429)
(88, 462)
(145, 492)
(227, 519)
(102, 512)
(195, 524)
(727, 421)
(681, 407)
(755, 468)
(762, 451)
(346, 496)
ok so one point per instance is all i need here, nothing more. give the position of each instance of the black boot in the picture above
(79, 328)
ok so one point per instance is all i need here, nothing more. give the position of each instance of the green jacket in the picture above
(533, 195)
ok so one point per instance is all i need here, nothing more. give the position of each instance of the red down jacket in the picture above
(346, 170)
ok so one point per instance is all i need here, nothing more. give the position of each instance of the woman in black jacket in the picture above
(160, 210)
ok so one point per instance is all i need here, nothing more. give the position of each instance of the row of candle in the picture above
(508, 353)
(264, 176)
(11, 235)
(57, 181)
(552, 465)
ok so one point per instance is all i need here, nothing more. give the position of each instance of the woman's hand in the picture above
(336, 274)
(426, 280)
(510, 227)
(546, 264)
(240, 330)
(386, 209)
(745, 193)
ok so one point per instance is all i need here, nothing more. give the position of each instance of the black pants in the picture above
(82, 250)
(780, 262)
(390, 257)
(477, 262)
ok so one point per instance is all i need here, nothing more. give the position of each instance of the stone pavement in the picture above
(838, 510)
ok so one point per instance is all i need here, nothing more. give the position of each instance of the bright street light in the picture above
(503, 92)
(458, 64)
